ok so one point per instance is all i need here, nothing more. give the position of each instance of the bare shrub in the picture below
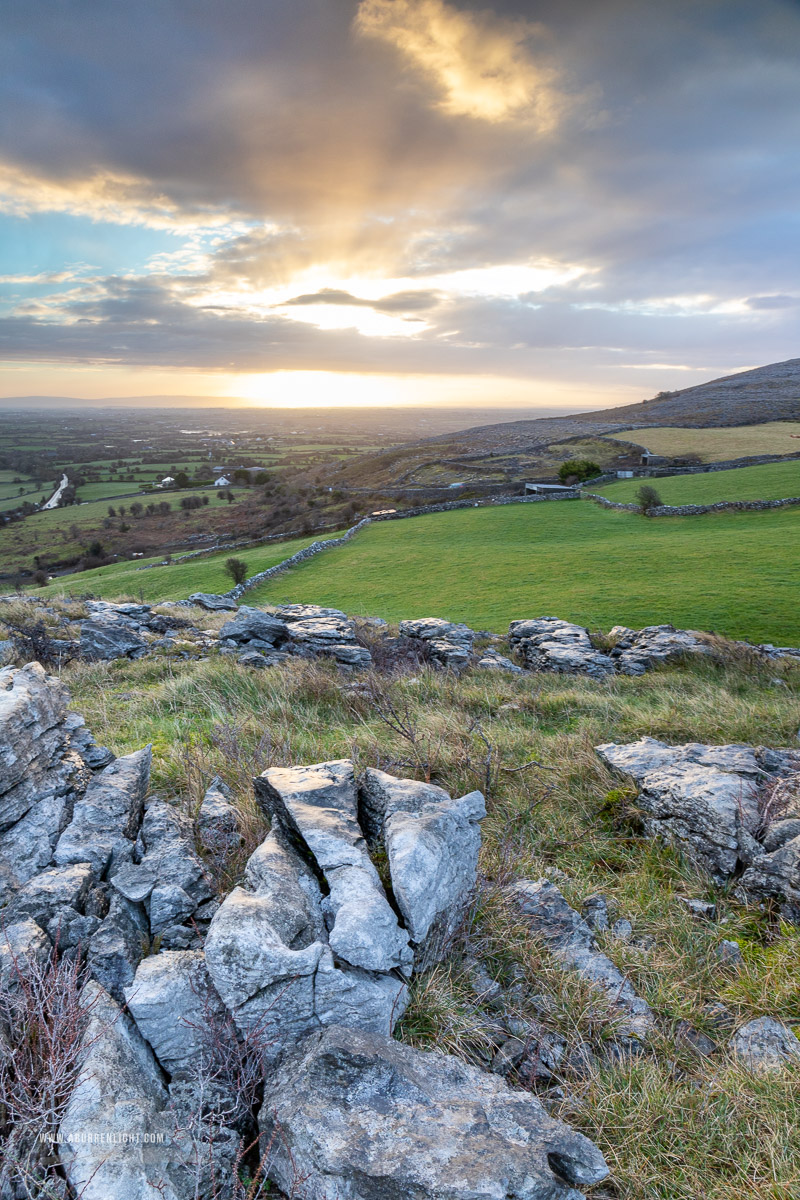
(34, 642)
(778, 798)
(398, 716)
(43, 1022)
(392, 655)
(236, 568)
(648, 498)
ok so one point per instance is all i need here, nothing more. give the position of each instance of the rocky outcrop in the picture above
(638, 651)
(549, 644)
(432, 843)
(116, 1135)
(314, 943)
(449, 643)
(303, 629)
(213, 602)
(362, 1116)
(43, 771)
(570, 940)
(111, 636)
(713, 802)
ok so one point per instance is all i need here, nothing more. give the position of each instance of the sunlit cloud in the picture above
(105, 195)
(480, 65)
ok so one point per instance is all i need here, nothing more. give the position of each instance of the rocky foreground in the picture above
(265, 636)
(221, 1031)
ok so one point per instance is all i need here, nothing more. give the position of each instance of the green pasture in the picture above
(735, 573)
(771, 481)
(175, 581)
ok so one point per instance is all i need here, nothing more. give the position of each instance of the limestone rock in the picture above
(117, 946)
(637, 651)
(255, 625)
(327, 631)
(170, 876)
(23, 946)
(432, 842)
(766, 1046)
(33, 706)
(318, 805)
(570, 940)
(492, 660)
(371, 1119)
(120, 1095)
(108, 639)
(173, 1001)
(217, 820)
(44, 894)
(212, 602)
(706, 800)
(450, 643)
(105, 821)
(550, 644)
(268, 957)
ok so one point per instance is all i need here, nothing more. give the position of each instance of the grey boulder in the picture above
(254, 625)
(432, 843)
(766, 1046)
(213, 602)
(368, 1118)
(116, 1136)
(550, 644)
(108, 639)
(175, 1007)
(317, 806)
(449, 643)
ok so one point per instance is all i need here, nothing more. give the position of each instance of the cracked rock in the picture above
(372, 1119)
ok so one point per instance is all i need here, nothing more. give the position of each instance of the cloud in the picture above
(480, 66)
(404, 185)
(400, 302)
(770, 302)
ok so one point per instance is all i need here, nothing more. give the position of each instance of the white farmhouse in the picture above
(223, 481)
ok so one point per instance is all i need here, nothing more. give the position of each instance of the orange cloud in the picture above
(480, 65)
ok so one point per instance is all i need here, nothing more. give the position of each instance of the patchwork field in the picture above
(718, 445)
(489, 566)
(771, 481)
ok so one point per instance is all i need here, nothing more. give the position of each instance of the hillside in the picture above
(512, 450)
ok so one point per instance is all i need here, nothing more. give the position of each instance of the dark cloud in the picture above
(668, 171)
(399, 302)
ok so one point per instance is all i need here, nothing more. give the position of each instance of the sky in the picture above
(570, 203)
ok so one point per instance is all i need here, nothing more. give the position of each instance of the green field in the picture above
(718, 445)
(175, 581)
(735, 573)
(772, 481)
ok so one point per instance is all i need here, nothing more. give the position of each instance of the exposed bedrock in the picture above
(734, 810)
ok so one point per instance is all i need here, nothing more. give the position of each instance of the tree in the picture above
(181, 479)
(648, 498)
(237, 569)
(576, 470)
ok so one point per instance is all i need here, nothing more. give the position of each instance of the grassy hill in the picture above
(147, 580)
(534, 448)
(771, 481)
(726, 572)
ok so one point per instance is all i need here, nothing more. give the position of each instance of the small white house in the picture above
(223, 481)
(167, 481)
